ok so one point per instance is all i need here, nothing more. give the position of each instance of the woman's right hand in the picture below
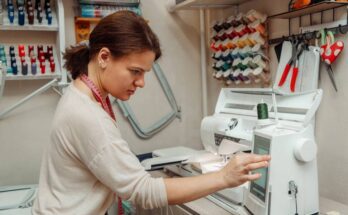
(238, 170)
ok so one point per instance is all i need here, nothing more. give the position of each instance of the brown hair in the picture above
(123, 33)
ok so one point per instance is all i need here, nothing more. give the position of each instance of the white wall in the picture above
(24, 132)
(332, 117)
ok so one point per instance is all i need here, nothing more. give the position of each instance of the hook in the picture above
(340, 29)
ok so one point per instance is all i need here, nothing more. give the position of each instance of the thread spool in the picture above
(259, 27)
(12, 51)
(257, 38)
(239, 19)
(262, 111)
(241, 30)
(39, 14)
(222, 35)
(217, 26)
(14, 68)
(49, 18)
(24, 68)
(260, 62)
(226, 56)
(31, 17)
(1, 14)
(235, 53)
(227, 73)
(33, 68)
(214, 36)
(10, 10)
(245, 52)
(259, 73)
(246, 40)
(231, 33)
(21, 16)
(217, 55)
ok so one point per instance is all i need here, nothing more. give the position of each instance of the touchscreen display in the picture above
(259, 187)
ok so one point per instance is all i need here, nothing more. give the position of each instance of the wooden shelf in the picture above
(198, 4)
(315, 8)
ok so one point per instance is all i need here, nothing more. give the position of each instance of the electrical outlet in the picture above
(322, 26)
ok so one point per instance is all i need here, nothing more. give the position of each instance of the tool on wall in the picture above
(297, 49)
(329, 52)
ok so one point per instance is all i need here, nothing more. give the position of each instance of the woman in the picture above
(87, 161)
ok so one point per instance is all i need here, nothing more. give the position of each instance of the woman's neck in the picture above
(94, 76)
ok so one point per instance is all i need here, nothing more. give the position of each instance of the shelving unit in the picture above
(311, 9)
(55, 79)
(320, 7)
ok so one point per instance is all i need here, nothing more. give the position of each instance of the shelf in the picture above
(27, 27)
(33, 77)
(198, 4)
(19, 76)
(315, 8)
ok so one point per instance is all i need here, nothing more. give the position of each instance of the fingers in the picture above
(246, 159)
(253, 166)
(252, 177)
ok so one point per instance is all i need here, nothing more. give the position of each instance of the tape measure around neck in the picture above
(106, 105)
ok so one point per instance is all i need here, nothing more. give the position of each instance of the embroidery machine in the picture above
(290, 182)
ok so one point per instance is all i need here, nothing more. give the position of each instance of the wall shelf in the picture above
(315, 8)
(33, 77)
(199, 4)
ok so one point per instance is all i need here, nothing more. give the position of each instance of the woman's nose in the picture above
(140, 82)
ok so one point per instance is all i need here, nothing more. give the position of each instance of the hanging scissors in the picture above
(297, 49)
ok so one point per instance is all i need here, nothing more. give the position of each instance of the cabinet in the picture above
(31, 63)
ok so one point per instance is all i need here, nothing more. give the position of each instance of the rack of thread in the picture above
(91, 11)
(29, 62)
(28, 16)
(36, 59)
(239, 49)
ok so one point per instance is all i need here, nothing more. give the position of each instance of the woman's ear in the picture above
(104, 57)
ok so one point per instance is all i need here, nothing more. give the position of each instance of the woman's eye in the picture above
(135, 72)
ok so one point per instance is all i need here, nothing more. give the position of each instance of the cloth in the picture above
(87, 162)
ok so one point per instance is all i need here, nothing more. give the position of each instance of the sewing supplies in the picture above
(238, 45)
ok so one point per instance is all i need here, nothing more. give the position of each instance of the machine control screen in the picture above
(259, 187)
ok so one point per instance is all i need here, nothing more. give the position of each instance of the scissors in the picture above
(293, 62)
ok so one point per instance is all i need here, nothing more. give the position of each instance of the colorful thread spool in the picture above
(217, 55)
(257, 38)
(259, 27)
(261, 62)
(21, 16)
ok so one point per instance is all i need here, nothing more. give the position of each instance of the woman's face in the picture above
(122, 76)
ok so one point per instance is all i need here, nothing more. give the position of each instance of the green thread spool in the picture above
(262, 111)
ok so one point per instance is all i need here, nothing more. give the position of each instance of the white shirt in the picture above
(87, 161)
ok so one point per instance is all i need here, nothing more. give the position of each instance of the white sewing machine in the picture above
(232, 129)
